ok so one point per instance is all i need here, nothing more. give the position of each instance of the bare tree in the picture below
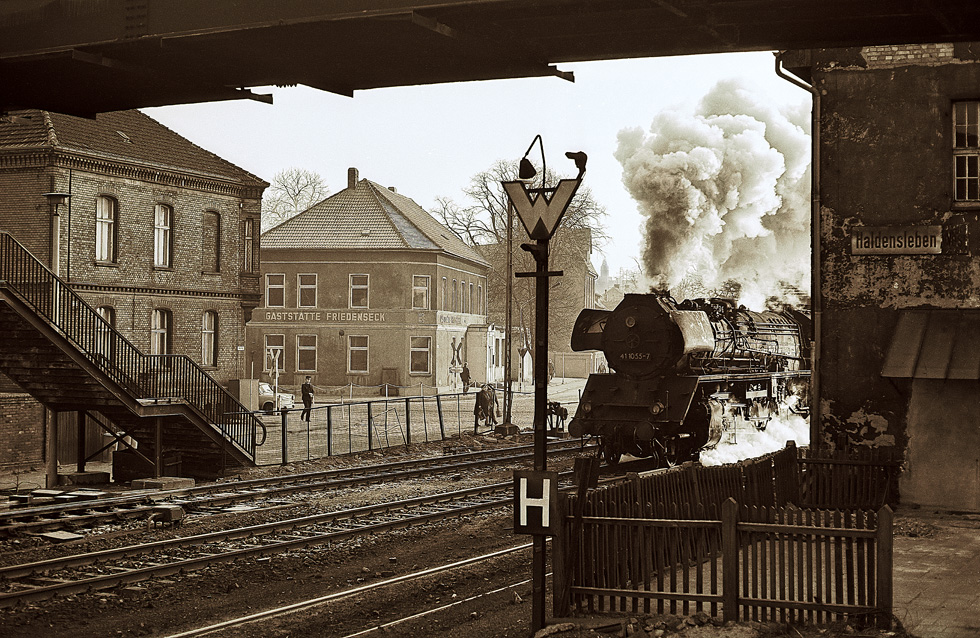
(482, 222)
(291, 192)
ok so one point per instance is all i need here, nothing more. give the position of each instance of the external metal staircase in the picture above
(64, 354)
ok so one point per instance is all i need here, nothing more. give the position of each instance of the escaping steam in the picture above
(725, 191)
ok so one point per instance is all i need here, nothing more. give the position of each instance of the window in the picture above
(966, 150)
(445, 294)
(479, 299)
(306, 353)
(455, 306)
(358, 291)
(248, 245)
(419, 356)
(357, 354)
(106, 217)
(163, 219)
(209, 339)
(211, 242)
(161, 330)
(469, 299)
(420, 292)
(462, 297)
(307, 290)
(275, 291)
(103, 331)
(275, 352)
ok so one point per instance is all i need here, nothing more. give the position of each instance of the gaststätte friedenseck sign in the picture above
(897, 240)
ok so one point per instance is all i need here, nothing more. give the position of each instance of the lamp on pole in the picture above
(540, 211)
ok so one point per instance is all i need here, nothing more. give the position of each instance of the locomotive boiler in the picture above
(683, 375)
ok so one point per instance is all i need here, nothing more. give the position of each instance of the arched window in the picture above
(161, 332)
(106, 229)
(103, 331)
(211, 242)
(209, 339)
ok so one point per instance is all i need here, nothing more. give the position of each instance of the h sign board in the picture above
(540, 213)
(535, 502)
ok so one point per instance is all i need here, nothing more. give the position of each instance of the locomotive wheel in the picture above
(609, 454)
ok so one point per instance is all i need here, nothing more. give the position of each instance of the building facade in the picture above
(898, 229)
(366, 288)
(158, 235)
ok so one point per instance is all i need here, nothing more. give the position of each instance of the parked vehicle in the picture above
(269, 400)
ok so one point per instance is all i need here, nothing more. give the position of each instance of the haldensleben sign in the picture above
(897, 240)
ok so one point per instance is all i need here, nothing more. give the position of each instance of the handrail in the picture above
(143, 376)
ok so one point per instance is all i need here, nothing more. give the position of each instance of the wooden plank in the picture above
(729, 544)
(884, 569)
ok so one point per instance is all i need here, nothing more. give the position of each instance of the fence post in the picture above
(883, 562)
(561, 566)
(442, 426)
(408, 421)
(285, 452)
(370, 427)
(729, 560)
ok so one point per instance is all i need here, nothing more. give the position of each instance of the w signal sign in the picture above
(539, 212)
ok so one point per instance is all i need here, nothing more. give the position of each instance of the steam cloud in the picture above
(725, 191)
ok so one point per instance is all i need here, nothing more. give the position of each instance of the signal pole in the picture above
(540, 210)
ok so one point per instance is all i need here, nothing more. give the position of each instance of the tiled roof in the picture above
(128, 136)
(367, 216)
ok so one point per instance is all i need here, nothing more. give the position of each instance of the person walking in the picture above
(464, 376)
(307, 390)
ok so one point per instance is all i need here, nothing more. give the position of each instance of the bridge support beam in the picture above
(50, 448)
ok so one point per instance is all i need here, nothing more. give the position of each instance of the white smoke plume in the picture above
(725, 191)
(746, 442)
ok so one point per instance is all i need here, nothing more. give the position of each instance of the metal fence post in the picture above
(285, 452)
(370, 427)
(729, 560)
(329, 430)
(408, 421)
(442, 426)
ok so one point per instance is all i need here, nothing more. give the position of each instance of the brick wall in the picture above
(21, 433)
(889, 56)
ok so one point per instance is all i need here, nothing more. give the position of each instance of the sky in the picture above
(428, 141)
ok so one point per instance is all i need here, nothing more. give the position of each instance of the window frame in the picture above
(301, 348)
(365, 349)
(412, 349)
(445, 293)
(213, 249)
(300, 287)
(161, 331)
(269, 287)
(366, 287)
(422, 289)
(163, 236)
(104, 343)
(106, 229)
(250, 256)
(966, 157)
(209, 339)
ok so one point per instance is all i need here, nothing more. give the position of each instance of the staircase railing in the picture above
(143, 376)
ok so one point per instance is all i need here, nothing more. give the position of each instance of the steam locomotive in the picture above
(685, 374)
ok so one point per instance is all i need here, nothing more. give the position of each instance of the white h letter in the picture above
(542, 502)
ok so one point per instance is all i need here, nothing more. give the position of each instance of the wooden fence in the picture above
(726, 541)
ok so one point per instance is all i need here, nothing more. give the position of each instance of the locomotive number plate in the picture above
(635, 356)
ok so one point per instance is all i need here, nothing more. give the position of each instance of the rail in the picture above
(142, 376)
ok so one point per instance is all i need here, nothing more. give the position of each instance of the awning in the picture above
(935, 344)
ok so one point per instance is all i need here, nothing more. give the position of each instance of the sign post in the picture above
(540, 211)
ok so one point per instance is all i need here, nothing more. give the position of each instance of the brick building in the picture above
(158, 235)
(367, 288)
(897, 145)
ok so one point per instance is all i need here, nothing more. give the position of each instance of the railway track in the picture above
(104, 569)
(212, 498)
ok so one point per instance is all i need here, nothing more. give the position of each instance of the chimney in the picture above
(352, 177)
